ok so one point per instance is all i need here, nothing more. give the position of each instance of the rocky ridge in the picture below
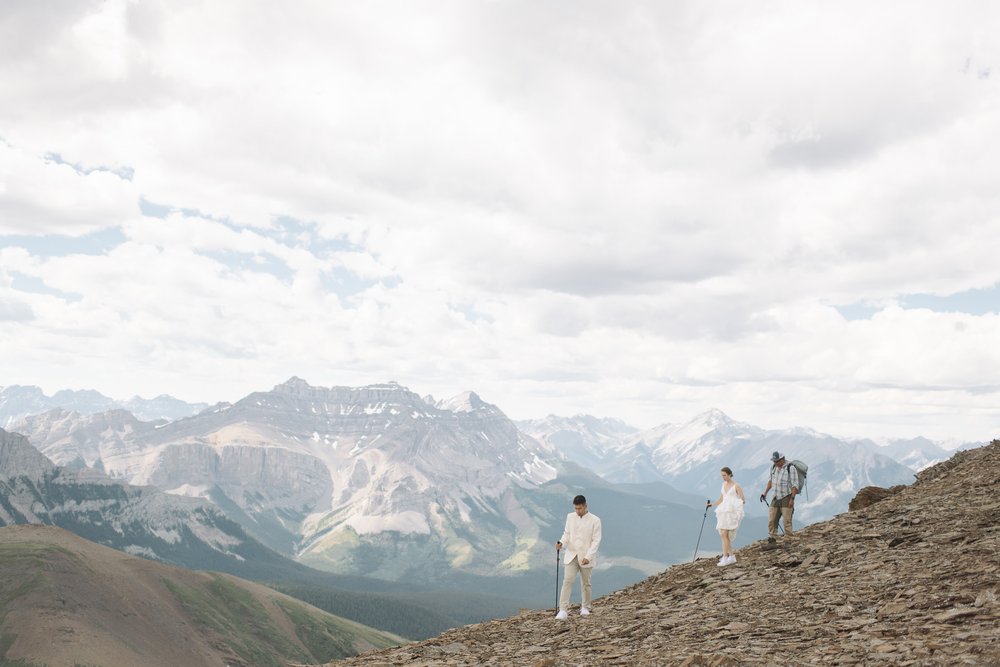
(912, 579)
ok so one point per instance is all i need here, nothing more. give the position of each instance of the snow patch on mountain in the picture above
(467, 401)
(403, 522)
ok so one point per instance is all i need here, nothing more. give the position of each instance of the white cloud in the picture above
(637, 210)
(42, 195)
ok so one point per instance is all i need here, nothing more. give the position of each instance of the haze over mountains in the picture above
(379, 481)
(18, 401)
(688, 456)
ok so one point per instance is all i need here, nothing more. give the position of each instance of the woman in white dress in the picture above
(729, 515)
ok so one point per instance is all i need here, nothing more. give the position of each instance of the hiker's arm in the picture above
(739, 492)
(565, 536)
(595, 544)
(717, 502)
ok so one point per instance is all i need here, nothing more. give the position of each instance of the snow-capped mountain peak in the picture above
(467, 401)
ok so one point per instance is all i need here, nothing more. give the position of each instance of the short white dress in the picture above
(729, 513)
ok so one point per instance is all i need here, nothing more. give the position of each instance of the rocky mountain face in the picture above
(688, 456)
(17, 402)
(911, 579)
(373, 480)
(596, 444)
(137, 520)
(194, 533)
(66, 602)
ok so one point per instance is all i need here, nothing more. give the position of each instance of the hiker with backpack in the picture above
(786, 480)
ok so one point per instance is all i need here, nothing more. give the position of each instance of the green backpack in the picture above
(802, 469)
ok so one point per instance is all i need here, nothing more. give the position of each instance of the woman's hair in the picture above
(727, 471)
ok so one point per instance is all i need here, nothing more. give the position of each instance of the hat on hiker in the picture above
(775, 456)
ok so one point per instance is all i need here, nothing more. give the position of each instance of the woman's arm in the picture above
(739, 492)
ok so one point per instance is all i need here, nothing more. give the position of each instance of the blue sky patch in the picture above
(298, 233)
(973, 302)
(345, 283)
(259, 263)
(470, 313)
(153, 210)
(124, 173)
(858, 311)
(26, 283)
(100, 242)
(970, 302)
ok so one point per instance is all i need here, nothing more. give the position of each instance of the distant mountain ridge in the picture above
(17, 402)
(375, 480)
(688, 456)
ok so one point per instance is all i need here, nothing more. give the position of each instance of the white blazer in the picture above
(581, 537)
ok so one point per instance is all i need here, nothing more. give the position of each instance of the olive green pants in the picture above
(780, 508)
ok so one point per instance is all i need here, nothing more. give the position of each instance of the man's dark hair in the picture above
(579, 500)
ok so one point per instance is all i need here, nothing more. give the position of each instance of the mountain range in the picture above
(17, 401)
(688, 455)
(379, 481)
(195, 534)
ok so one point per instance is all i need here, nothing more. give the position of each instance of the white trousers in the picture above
(572, 569)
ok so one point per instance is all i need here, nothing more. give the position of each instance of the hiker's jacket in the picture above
(581, 538)
(783, 479)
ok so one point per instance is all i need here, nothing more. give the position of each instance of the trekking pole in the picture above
(708, 503)
(557, 577)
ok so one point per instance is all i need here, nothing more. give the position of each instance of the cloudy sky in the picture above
(787, 211)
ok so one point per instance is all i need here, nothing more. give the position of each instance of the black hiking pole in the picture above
(557, 577)
(708, 503)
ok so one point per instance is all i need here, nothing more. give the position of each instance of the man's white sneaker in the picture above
(562, 615)
(584, 611)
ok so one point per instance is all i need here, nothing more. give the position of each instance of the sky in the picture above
(786, 211)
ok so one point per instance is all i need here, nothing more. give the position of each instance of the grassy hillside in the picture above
(65, 602)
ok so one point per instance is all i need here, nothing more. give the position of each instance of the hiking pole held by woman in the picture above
(708, 503)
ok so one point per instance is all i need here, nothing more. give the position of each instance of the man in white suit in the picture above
(581, 538)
